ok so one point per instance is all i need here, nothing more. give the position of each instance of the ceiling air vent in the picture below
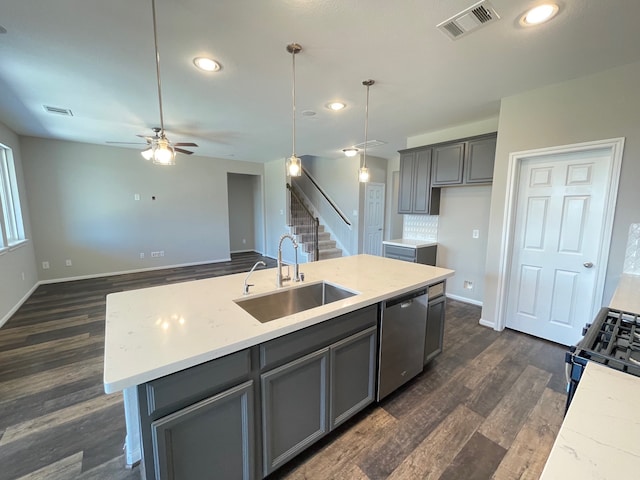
(58, 111)
(469, 20)
(370, 144)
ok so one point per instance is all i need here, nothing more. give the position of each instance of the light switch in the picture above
(476, 233)
(136, 196)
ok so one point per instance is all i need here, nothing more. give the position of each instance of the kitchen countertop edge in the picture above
(125, 329)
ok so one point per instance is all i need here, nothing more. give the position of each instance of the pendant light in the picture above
(363, 172)
(294, 165)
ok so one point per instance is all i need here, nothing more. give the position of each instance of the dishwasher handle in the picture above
(405, 300)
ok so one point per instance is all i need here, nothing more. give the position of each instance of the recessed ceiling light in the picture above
(206, 64)
(335, 106)
(539, 14)
(350, 152)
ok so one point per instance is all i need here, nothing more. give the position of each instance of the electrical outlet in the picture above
(155, 254)
(468, 285)
(67, 262)
(45, 265)
(141, 254)
(244, 241)
(475, 233)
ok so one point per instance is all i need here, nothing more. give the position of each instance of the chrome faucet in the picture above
(247, 285)
(296, 273)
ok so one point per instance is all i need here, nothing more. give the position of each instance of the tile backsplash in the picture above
(420, 227)
(632, 254)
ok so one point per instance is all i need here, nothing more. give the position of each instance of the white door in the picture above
(373, 218)
(560, 215)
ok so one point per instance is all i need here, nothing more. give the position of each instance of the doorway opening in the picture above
(246, 213)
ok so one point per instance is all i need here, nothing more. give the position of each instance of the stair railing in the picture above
(329, 201)
(334, 219)
(299, 214)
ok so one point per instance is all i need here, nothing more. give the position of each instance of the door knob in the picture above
(588, 264)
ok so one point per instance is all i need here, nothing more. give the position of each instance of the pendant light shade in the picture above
(363, 172)
(294, 165)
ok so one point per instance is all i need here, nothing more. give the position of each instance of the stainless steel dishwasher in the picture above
(403, 325)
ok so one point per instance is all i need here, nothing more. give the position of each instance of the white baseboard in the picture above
(26, 296)
(487, 323)
(464, 299)
(123, 272)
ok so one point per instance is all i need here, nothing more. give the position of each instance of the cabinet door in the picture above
(212, 438)
(448, 161)
(353, 368)
(422, 181)
(435, 329)
(294, 408)
(405, 190)
(479, 160)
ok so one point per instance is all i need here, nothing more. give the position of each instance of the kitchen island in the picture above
(162, 341)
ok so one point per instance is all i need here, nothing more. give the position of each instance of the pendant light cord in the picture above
(293, 94)
(155, 41)
(367, 83)
(366, 129)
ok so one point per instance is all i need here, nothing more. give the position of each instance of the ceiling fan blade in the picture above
(125, 143)
(182, 150)
(185, 144)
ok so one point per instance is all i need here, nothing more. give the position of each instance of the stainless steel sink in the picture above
(293, 300)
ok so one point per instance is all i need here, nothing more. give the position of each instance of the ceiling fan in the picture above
(160, 149)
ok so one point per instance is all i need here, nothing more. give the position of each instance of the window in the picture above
(10, 213)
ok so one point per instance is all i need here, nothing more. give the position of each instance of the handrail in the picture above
(296, 201)
(333, 205)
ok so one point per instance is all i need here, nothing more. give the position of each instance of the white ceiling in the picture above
(97, 59)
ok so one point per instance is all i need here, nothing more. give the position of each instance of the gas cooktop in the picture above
(613, 339)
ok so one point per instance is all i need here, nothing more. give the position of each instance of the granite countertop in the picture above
(627, 294)
(157, 331)
(406, 242)
(600, 435)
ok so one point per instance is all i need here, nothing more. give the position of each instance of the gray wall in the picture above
(275, 181)
(82, 206)
(19, 261)
(243, 198)
(463, 209)
(595, 107)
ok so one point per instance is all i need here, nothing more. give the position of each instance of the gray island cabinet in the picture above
(211, 392)
(203, 422)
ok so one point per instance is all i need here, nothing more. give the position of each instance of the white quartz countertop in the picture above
(406, 242)
(600, 435)
(157, 331)
(627, 294)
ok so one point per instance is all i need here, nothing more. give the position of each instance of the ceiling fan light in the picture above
(147, 154)
(164, 155)
(294, 166)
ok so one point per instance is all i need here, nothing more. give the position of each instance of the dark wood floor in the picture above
(489, 407)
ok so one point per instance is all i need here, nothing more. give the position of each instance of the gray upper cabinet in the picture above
(478, 166)
(448, 162)
(415, 193)
(214, 435)
(464, 162)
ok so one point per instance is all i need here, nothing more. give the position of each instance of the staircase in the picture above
(303, 232)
